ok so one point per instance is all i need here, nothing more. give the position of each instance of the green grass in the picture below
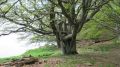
(3, 60)
(44, 52)
(94, 55)
(98, 48)
(88, 55)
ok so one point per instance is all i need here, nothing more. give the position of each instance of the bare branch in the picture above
(3, 2)
(53, 2)
(95, 10)
(64, 11)
(13, 31)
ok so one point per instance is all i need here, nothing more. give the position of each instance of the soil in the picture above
(32, 62)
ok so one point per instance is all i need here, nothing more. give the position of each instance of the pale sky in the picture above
(10, 46)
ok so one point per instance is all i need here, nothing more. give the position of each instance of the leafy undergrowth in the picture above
(105, 55)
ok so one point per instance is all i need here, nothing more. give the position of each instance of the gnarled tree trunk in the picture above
(68, 46)
(67, 38)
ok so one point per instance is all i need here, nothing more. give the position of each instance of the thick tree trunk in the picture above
(58, 42)
(68, 47)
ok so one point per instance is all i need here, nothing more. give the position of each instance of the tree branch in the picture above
(13, 31)
(64, 10)
(3, 2)
(96, 10)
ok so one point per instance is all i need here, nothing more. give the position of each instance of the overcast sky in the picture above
(10, 46)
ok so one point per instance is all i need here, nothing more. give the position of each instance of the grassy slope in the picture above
(44, 52)
(106, 55)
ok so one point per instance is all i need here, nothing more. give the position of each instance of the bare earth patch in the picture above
(32, 62)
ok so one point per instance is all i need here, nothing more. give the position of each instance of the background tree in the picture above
(63, 19)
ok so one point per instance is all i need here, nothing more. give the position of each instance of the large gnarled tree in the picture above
(61, 18)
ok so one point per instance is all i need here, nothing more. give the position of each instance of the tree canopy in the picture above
(63, 19)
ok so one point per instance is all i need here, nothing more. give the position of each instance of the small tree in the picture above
(61, 18)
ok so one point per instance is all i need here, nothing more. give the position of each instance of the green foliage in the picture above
(108, 18)
(41, 38)
(94, 30)
(103, 24)
(6, 8)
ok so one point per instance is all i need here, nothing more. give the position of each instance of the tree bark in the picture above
(58, 41)
(68, 46)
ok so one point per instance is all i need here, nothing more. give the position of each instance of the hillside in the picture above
(104, 54)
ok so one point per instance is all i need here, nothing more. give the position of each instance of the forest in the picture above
(79, 33)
